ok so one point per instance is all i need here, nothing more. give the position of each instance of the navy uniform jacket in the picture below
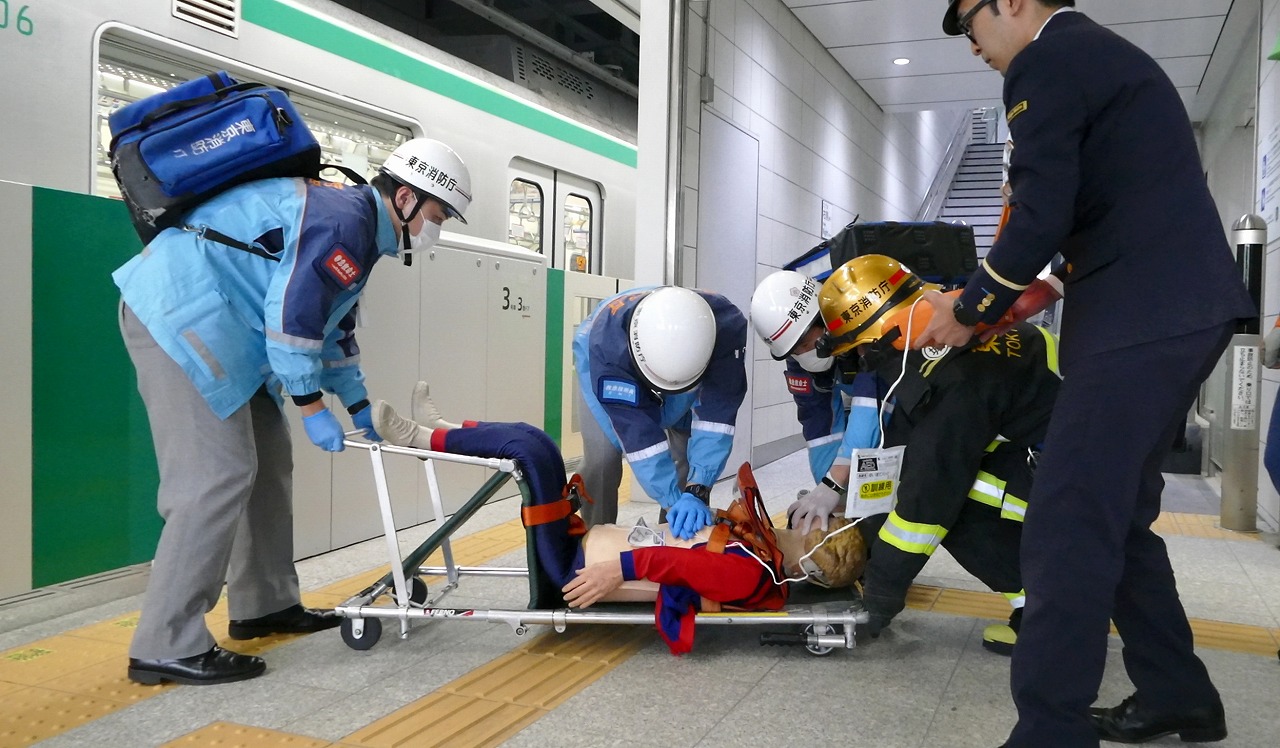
(1106, 171)
(635, 418)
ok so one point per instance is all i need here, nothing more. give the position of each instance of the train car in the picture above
(483, 317)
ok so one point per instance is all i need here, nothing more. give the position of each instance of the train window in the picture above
(127, 71)
(524, 226)
(571, 208)
(577, 233)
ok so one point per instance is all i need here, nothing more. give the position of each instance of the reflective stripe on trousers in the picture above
(990, 490)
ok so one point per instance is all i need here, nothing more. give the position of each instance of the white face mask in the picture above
(810, 361)
(426, 238)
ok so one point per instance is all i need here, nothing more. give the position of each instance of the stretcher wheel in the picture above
(369, 636)
(814, 649)
(417, 591)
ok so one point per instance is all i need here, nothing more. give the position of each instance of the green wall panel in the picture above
(309, 29)
(94, 475)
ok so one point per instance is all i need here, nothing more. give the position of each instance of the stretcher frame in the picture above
(824, 630)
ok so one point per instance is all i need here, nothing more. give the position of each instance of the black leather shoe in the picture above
(1131, 723)
(292, 620)
(218, 665)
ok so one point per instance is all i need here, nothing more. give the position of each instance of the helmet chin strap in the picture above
(406, 255)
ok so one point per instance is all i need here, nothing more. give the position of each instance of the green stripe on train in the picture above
(322, 34)
(93, 482)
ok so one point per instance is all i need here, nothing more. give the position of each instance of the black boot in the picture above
(1001, 637)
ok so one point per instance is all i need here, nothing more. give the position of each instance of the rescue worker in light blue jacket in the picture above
(836, 416)
(662, 372)
(253, 297)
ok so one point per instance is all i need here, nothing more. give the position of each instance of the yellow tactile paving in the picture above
(607, 644)
(446, 719)
(972, 604)
(116, 630)
(1234, 637)
(536, 681)
(46, 659)
(106, 680)
(1197, 526)
(230, 735)
(32, 714)
(497, 700)
(922, 597)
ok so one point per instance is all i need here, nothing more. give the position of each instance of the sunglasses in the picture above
(965, 22)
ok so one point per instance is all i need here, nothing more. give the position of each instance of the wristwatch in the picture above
(699, 490)
(830, 482)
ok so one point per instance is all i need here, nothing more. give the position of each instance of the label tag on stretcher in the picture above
(873, 481)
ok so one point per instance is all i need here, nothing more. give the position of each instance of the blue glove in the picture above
(687, 516)
(363, 419)
(324, 431)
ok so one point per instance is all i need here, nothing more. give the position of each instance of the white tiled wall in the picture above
(1267, 119)
(821, 138)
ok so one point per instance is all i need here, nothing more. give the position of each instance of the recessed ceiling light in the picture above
(901, 61)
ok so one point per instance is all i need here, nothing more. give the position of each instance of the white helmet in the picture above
(432, 167)
(783, 308)
(672, 334)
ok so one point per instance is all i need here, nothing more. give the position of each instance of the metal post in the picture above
(1244, 394)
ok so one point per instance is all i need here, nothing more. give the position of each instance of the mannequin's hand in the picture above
(593, 582)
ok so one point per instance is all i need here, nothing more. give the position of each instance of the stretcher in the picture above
(403, 595)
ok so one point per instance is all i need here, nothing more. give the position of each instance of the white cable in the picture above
(906, 348)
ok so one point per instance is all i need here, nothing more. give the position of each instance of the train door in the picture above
(557, 214)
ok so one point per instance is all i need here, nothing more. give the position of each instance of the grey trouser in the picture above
(226, 496)
(601, 467)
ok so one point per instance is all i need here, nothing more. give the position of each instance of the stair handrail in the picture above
(991, 124)
(937, 194)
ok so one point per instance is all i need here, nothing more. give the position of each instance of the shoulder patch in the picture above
(622, 391)
(799, 385)
(342, 266)
(1017, 109)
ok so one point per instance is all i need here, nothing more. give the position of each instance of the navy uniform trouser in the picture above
(1089, 555)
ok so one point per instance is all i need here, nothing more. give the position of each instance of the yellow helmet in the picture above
(861, 296)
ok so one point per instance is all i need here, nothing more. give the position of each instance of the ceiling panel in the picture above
(865, 36)
(1109, 12)
(1175, 38)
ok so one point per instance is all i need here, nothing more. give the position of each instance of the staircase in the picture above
(974, 196)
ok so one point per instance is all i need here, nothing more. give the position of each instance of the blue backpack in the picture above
(173, 150)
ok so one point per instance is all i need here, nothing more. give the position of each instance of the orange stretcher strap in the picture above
(543, 514)
(570, 501)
